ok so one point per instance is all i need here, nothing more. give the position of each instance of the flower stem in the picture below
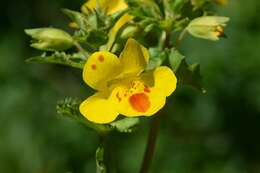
(151, 143)
(180, 38)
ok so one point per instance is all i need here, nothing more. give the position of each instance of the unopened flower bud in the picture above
(208, 27)
(50, 39)
(129, 32)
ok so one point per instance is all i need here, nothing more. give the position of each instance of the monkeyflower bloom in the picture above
(122, 85)
(208, 27)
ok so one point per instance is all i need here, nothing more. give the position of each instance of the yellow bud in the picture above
(50, 39)
(208, 27)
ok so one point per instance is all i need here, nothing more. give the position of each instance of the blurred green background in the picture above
(216, 132)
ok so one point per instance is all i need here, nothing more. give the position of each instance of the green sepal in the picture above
(79, 18)
(185, 73)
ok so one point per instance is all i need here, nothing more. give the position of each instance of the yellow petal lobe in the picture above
(133, 58)
(100, 67)
(165, 80)
(113, 32)
(98, 109)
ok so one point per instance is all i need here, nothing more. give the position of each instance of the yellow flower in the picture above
(122, 85)
(208, 27)
(110, 6)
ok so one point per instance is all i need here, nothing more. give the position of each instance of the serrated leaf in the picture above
(69, 108)
(185, 73)
(59, 58)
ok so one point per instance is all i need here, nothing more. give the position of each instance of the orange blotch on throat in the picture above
(147, 89)
(140, 102)
(101, 58)
(93, 66)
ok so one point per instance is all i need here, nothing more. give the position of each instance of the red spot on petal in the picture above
(118, 97)
(147, 89)
(140, 102)
(101, 58)
(93, 66)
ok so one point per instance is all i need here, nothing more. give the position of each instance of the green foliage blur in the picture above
(216, 132)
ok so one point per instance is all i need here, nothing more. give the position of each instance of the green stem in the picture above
(180, 38)
(151, 143)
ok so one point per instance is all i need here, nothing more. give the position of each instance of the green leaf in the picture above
(175, 59)
(157, 57)
(100, 163)
(74, 60)
(144, 9)
(126, 125)
(185, 73)
(69, 107)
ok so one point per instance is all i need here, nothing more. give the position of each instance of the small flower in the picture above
(208, 27)
(110, 6)
(122, 85)
(50, 39)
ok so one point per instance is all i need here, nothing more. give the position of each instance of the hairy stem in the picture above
(151, 143)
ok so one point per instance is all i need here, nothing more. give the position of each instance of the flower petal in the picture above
(111, 6)
(98, 109)
(113, 32)
(137, 101)
(100, 68)
(133, 58)
(165, 80)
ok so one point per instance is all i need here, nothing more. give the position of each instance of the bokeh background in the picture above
(216, 132)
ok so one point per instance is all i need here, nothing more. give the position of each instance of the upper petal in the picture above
(100, 67)
(134, 58)
(98, 109)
